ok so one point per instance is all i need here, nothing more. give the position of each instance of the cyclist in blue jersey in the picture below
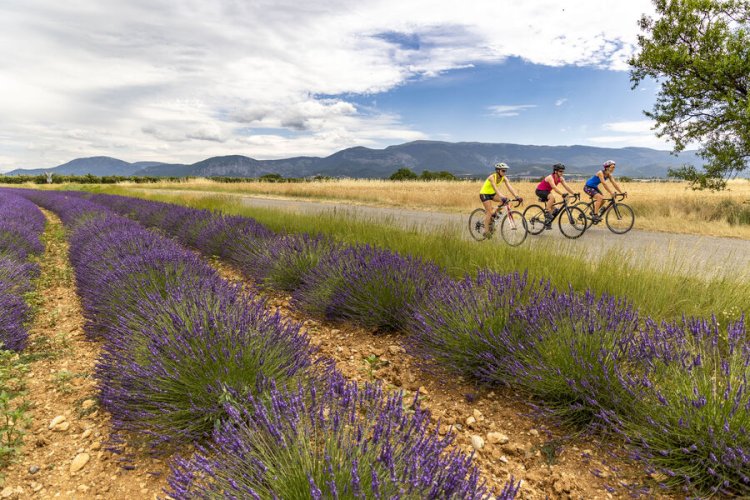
(592, 187)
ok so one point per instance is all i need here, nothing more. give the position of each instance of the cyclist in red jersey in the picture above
(545, 188)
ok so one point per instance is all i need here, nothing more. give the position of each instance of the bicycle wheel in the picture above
(587, 209)
(534, 217)
(513, 228)
(572, 222)
(476, 224)
(620, 218)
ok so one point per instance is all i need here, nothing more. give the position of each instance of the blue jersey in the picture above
(594, 181)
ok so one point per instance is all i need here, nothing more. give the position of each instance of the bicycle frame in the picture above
(607, 204)
(508, 212)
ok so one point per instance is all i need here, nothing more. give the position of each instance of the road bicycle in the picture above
(511, 222)
(619, 217)
(570, 219)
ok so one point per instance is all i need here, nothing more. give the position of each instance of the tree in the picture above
(403, 174)
(443, 175)
(699, 52)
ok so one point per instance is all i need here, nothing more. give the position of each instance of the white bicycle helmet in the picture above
(501, 166)
(608, 163)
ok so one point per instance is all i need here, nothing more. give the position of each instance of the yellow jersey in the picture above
(487, 188)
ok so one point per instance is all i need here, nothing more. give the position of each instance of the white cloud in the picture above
(560, 102)
(135, 78)
(637, 133)
(509, 110)
(633, 127)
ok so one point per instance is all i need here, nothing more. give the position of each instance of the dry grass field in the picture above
(659, 206)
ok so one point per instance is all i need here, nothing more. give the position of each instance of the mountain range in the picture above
(462, 158)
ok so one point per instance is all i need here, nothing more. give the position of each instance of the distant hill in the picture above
(462, 158)
(97, 165)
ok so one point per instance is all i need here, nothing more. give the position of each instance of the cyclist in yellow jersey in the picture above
(490, 193)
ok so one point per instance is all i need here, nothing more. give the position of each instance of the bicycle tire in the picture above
(572, 222)
(620, 218)
(534, 217)
(588, 211)
(476, 224)
(513, 228)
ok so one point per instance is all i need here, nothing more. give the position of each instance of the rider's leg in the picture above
(488, 212)
(598, 200)
(550, 203)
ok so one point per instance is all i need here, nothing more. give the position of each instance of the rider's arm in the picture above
(510, 188)
(616, 185)
(603, 182)
(565, 185)
(551, 181)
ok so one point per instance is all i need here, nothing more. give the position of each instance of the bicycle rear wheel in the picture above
(620, 218)
(513, 228)
(534, 217)
(476, 224)
(587, 209)
(572, 222)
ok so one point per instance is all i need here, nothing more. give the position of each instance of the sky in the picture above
(183, 80)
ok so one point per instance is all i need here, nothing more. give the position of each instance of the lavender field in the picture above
(190, 359)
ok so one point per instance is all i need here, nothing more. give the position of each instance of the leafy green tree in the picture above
(443, 175)
(699, 52)
(403, 174)
(271, 178)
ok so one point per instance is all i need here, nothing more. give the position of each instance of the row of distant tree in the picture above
(115, 179)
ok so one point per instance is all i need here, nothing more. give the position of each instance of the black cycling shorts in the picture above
(543, 195)
(491, 197)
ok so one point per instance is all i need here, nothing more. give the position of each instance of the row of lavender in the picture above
(21, 226)
(187, 357)
(677, 391)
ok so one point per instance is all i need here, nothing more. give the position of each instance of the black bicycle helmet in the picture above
(558, 167)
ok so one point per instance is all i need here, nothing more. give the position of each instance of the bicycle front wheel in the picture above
(620, 218)
(513, 228)
(476, 224)
(572, 222)
(534, 217)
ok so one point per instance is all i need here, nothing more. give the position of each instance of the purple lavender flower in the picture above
(21, 226)
(373, 287)
(296, 447)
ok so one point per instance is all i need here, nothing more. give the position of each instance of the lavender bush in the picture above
(691, 420)
(21, 226)
(213, 234)
(339, 441)
(372, 287)
(171, 380)
(567, 348)
(15, 282)
(283, 262)
(463, 324)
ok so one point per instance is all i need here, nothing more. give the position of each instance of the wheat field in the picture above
(659, 206)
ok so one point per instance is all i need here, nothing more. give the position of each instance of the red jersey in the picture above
(544, 185)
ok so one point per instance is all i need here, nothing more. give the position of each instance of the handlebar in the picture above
(620, 196)
(517, 202)
(575, 197)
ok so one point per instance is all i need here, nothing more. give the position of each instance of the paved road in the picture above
(683, 253)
